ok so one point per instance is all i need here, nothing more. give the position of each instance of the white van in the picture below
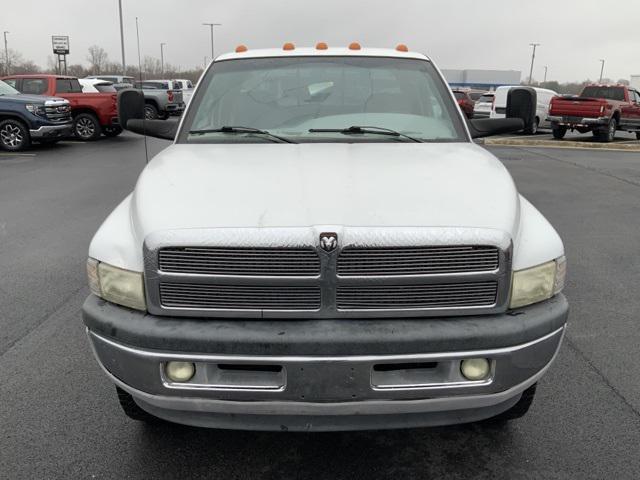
(544, 95)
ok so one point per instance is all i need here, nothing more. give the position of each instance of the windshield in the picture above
(6, 89)
(291, 96)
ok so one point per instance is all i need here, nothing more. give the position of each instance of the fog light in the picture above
(180, 371)
(475, 368)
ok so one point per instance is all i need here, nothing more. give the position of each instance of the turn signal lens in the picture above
(402, 48)
(241, 49)
(288, 46)
(322, 46)
(355, 46)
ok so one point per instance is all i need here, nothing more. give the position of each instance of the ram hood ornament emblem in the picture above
(328, 241)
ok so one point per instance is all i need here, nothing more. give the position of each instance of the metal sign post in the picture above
(61, 49)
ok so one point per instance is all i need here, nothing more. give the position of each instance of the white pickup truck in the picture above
(324, 247)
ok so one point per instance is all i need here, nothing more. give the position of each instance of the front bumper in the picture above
(346, 375)
(578, 121)
(51, 131)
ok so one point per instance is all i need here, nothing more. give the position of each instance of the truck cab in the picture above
(324, 247)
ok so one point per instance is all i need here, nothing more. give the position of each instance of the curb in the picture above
(521, 142)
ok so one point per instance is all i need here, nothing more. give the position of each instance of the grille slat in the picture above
(416, 296)
(231, 297)
(260, 262)
(399, 261)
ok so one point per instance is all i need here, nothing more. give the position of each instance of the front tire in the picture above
(132, 410)
(559, 132)
(150, 112)
(86, 127)
(14, 136)
(519, 410)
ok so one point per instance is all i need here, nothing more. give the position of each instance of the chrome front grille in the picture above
(445, 295)
(239, 297)
(417, 260)
(289, 273)
(258, 262)
(58, 114)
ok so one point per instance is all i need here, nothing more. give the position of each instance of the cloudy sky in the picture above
(493, 34)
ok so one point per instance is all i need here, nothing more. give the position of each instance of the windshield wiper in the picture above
(356, 129)
(257, 131)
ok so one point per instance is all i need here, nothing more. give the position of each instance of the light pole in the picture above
(162, 59)
(124, 63)
(211, 25)
(6, 54)
(545, 73)
(601, 69)
(533, 57)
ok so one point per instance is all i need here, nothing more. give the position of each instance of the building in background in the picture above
(482, 79)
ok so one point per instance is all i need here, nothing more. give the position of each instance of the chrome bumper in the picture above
(326, 393)
(576, 121)
(51, 131)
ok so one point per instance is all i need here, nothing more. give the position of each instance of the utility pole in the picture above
(124, 63)
(601, 69)
(533, 58)
(545, 73)
(162, 59)
(6, 54)
(211, 25)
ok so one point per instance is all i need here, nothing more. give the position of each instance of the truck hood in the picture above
(362, 184)
(39, 99)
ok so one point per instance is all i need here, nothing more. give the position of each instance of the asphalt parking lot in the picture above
(60, 418)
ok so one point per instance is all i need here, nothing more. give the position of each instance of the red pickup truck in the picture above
(600, 109)
(93, 113)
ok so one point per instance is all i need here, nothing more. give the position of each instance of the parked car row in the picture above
(46, 108)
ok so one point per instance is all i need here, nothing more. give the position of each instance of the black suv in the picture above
(31, 118)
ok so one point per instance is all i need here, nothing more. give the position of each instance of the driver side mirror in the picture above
(131, 115)
(521, 113)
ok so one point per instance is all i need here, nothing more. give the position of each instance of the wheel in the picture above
(86, 127)
(132, 410)
(533, 129)
(14, 136)
(150, 112)
(559, 132)
(519, 410)
(112, 131)
(609, 134)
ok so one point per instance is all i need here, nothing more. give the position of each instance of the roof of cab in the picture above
(329, 52)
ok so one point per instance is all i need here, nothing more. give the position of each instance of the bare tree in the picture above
(97, 59)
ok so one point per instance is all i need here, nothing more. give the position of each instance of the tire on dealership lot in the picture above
(533, 128)
(14, 135)
(132, 410)
(519, 410)
(86, 127)
(559, 132)
(608, 134)
(112, 131)
(150, 111)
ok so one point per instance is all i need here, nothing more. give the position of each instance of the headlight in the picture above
(538, 283)
(36, 109)
(116, 285)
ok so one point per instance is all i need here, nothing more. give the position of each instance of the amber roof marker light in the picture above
(288, 46)
(355, 46)
(241, 49)
(322, 46)
(402, 48)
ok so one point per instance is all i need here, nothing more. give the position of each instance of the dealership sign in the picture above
(60, 44)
